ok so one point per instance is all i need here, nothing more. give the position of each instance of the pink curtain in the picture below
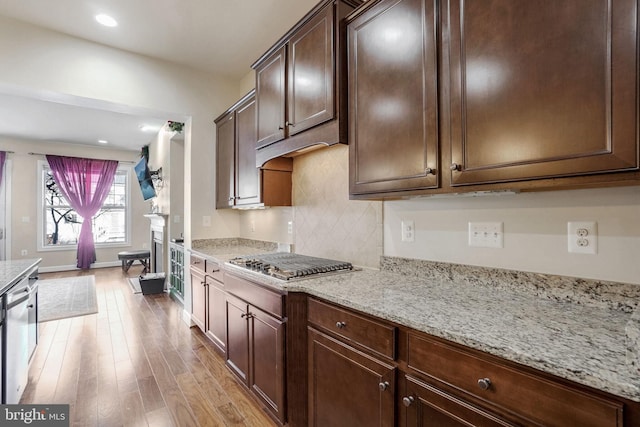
(3, 156)
(85, 183)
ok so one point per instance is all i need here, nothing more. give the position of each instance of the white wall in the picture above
(535, 231)
(24, 201)
(175, 185)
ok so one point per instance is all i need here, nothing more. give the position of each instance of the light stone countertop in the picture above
(582, 342)
(12, 270)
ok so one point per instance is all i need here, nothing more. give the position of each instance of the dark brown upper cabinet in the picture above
(240, 184)
(492, 95)
(393, 100)
(541, 89)
(225, 160)
(300, 85)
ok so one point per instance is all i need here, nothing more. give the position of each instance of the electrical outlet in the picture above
(253, 225)
(24, 252)
(408, 230)
(290, 227)
(486, 234)
(176, 219)
(582, 237)
(206, 221)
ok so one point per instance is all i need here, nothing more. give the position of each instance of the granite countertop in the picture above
(12, 270)
(222, 250)
(580, 332)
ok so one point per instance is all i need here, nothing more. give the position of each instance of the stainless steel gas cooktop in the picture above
(289, 266)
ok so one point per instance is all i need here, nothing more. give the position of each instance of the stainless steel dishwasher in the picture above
(17, 341)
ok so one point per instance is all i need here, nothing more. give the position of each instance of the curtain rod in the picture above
(40, 154)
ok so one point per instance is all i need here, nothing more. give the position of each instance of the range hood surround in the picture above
(321, 136)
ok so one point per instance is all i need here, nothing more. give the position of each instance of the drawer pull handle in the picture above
(484, 383)
(383, 385)
(407, 401)
(341, 325)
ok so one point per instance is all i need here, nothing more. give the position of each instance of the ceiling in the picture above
(219, 36)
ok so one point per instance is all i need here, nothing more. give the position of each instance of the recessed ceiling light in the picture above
(103, 141)
(106, 20)
(148, 128)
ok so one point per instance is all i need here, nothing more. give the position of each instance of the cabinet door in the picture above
(427, 406)
(238, 338)
(217, 314)
(198, 299)
(267, 361)
(225, 161)
(347, 387)
(310, 75)
(247, 175)
(270, 98)
(393, 133)
(542, 89)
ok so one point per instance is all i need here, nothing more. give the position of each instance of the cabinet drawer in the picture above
(256, 295)
(197, 262)
(376, 336)
(212, 269)
(534, 398)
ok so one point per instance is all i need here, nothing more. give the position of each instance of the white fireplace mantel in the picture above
(158, 241)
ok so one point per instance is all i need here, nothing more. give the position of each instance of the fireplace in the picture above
(158, 242)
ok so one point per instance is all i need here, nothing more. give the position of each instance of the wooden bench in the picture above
(129, 257)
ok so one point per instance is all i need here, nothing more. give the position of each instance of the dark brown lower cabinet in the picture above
(216, 313)
(428, 406)
(348, 388)
(198, 298)
(255, 353)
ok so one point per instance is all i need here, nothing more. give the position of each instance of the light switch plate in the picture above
(486, 234)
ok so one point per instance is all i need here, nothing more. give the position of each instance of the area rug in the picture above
(66, 297)
(134, 282)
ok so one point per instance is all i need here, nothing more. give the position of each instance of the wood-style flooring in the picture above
(135, 363)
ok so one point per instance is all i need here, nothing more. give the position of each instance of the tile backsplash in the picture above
(326, 223)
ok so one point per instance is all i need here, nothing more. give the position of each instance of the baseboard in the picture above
(56, 268)
(186, 318)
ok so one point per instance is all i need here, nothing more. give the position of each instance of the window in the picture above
(60, 223)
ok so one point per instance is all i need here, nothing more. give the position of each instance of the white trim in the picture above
(54, 268)
(186, 318)
(8, 167)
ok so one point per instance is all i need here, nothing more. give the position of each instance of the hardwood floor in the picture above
(135, 363)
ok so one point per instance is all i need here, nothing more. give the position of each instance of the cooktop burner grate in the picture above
(287, 266)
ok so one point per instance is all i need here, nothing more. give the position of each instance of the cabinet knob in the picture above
(484, 383)
(291, 124)
(430, 171)
(407, 401)
(383, 385)
(30, 306)
(280, 128)
(454, 167)
(341, 325)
